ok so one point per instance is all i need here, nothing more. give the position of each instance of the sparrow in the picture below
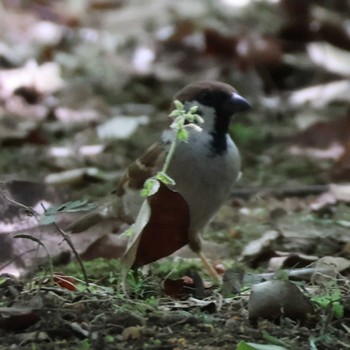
(204, 168)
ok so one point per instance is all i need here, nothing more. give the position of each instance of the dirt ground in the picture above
(106, 319)
(85, 87)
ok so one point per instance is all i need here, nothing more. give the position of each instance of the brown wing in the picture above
(141, 169)
(130, 182)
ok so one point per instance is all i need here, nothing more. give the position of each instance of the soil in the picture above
(55, 135)
(106, 318)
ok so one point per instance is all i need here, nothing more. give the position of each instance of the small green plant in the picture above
(181, 119)
(41, 244)
(156, 342)
(109, 339)
(247, 135)
(331, 301)
(68, 207)
(282, 275)
(85, 345)
(184, 119)
(254, 346)
(152, 301)
(324, 339)
(136, 284)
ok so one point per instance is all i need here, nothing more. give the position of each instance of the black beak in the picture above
(238, 104)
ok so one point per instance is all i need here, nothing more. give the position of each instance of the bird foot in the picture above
(209, 267)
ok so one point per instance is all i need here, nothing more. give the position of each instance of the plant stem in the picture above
(169, 156)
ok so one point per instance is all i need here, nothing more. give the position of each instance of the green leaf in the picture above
(338, 310)
(179, 105)
(71, 207)
(80, 205)
(193, 109)
(271, 339)
(150, 187)
(109, 339)
(47, 220)
(282, 275)
(189, 118)
(180, 121)
(166, 179)
(331, 300)
(182, 135)
(174, 113)
(254, 346)
(244, 346)
(173, 125)
(85, 345)
(199, 119)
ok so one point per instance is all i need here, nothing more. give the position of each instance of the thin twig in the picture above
(76, 254)
(71, 245)
(26, 208)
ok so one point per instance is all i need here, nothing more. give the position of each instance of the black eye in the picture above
(206, 97)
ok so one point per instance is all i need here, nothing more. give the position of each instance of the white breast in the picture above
(203, 178)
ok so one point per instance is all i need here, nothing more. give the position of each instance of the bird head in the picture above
(217, 103)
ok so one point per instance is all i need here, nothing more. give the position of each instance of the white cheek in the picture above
(207, 113)
(209, 116)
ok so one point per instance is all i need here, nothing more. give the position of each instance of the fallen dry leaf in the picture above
(189, 285)
(336, 263)
(284, 260)
(21, 315)
(132, 333)
(121, 127)
(319, 96)
(64, 281)
(259, 50)
(336, 193)
(330, 58)
(260, 246)
(22, 206)
(329, 268)
(325, 134)
(335, 151)
(160, 229)
(45, 78)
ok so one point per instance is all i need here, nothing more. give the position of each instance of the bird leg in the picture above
(195, 244)
(209, 267)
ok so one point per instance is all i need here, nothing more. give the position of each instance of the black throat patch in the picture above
(219, 141)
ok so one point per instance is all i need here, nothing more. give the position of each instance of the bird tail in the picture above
(107, 210)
